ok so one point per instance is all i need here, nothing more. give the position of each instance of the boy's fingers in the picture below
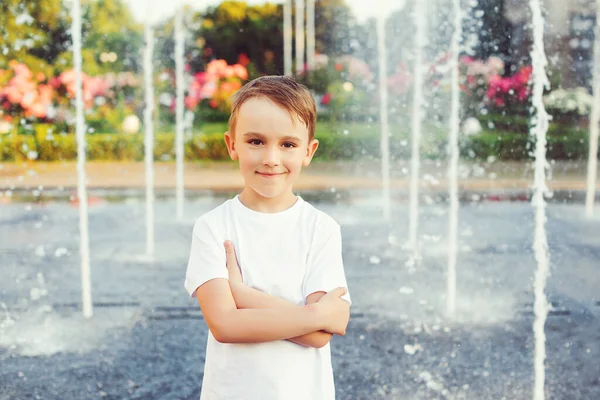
(230, 252)
(338, 292)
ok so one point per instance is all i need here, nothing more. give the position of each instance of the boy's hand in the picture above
(233, 269)
(334, 311)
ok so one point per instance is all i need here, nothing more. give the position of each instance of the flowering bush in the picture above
(475, 75)
(356, 70)
(38, 98)
(217, 84)
(570, 101)
(23, 94)
(400, 81)
(512, 90)
(485, 86)
(64, 84)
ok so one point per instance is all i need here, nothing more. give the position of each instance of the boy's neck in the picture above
(256, 202)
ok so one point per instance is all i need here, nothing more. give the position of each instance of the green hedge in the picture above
(562, 145)
(504, 145)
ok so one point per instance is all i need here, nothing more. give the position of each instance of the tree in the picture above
(112, 40)
(34, 33)
(336, 28)
(495, 32)
(233, 28)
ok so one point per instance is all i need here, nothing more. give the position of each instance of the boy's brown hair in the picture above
(283, 91)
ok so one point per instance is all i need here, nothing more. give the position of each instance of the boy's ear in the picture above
(230, 142)
(310, 152)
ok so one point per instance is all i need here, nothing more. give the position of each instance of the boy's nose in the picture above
(271, 157)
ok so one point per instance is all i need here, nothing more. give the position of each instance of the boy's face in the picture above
(270, 146)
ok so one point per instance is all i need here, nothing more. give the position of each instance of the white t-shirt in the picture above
(289, 254)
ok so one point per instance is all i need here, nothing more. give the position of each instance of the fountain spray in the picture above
(149, 133)
(84, 241)
(539, 128)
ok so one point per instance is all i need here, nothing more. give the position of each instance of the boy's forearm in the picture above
(267, 325)
(248, 298)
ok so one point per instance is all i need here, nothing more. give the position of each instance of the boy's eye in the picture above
(255, 142)
(289, 145)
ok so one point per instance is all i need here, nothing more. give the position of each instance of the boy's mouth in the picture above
(269, 174)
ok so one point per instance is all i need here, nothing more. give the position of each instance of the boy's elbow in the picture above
(222, 331)
(322, 340)
(219, 335)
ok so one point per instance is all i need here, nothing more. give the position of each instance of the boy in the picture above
(265, 266)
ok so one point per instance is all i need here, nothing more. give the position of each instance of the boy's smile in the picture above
(272, 146)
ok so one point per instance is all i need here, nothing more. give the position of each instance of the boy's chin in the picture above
(271, 193)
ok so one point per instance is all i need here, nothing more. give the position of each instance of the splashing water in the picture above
(540, 244)
(179, 125)
(84, 241)
(149, 133)
(454, 154)
(299, 36)
(594, 121)
(383, 116)
(7, 320)
(420, 22)
(44, 332)
(310, 34)
(287, 37)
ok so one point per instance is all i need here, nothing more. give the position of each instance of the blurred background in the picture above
(450, 236)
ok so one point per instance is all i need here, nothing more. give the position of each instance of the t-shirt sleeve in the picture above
(325, 267)
(207, 258)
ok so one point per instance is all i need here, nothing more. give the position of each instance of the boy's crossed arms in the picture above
(236, 313)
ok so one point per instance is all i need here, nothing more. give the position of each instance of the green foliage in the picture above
(335, 27)
(563, 144)
(233, 28)
(41, 30)
(109, 27)
(339, 141)
(34, 33)
(347, 104)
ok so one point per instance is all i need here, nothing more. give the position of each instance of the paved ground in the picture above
(146, 340)
(341, 175)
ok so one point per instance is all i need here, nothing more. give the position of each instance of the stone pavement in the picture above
(147, 337)
(361, 174)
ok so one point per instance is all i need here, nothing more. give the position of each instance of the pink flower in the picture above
(523, 93)
(466, 60)
(400, 81)
(38, 110)
(190, 102)
(13, 94)
(243, 60)
(217, 67)
(240, 71)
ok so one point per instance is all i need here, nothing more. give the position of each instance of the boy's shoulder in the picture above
(215, 215)
(319, 218)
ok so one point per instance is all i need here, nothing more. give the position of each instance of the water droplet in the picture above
(34, 294)
(40, 251)
(61, 251)
(412, 349)
(374, 260)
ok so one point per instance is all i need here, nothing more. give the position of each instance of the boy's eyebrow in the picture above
(261, 136)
